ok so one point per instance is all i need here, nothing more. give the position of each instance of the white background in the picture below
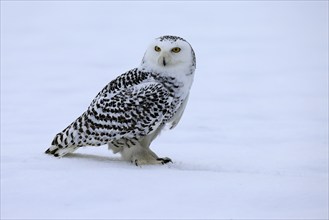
(253, 142)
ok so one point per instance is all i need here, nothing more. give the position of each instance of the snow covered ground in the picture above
(253, 142)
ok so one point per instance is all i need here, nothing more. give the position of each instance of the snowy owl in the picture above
(130, 111)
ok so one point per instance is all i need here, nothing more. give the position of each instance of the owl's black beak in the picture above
(164, 59)
(164, 62)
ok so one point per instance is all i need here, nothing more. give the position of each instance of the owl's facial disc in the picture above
(167, 54)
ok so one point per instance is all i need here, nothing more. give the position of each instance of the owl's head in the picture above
(169, 53)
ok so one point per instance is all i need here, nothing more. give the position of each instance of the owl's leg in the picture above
(146, 142)
(116, 148)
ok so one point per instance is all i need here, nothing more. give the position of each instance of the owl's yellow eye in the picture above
(157, 49)
(176, 50)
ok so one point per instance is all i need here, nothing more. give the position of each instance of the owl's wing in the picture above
(179, 113)
(130, 113)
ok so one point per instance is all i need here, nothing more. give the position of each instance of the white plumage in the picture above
(130, 112)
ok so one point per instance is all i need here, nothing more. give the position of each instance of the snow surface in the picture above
(253, 142)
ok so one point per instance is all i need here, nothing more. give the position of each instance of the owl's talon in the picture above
(164, 160)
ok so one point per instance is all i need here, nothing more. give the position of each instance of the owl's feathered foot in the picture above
(139, 155)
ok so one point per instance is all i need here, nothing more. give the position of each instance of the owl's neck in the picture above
(179, 79)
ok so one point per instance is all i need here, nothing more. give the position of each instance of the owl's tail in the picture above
(59, 152)
(62, 144)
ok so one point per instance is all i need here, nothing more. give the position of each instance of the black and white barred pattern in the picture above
(127, 109)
